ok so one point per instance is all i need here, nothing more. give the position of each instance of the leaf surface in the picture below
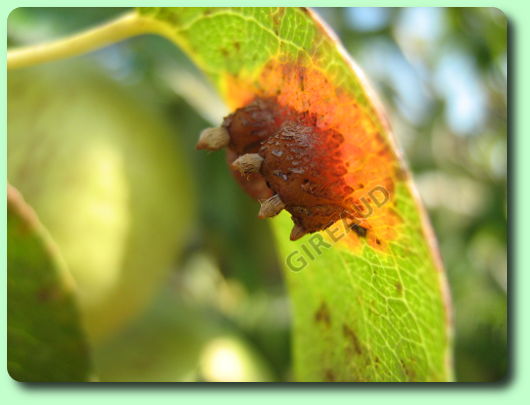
(45, 339)
(369, 299)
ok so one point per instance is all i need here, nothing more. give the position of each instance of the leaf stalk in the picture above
(124, 27)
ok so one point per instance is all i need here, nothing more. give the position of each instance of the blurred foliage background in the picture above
(220, 312)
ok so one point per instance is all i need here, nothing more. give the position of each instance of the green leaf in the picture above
(45, 340)
(372, 304)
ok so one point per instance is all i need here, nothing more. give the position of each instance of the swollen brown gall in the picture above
(285, 161)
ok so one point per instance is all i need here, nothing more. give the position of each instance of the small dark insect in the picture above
(282, 159)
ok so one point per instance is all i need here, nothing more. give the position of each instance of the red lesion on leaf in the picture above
(351, 164)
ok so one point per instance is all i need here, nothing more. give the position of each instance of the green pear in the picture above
(108, 180)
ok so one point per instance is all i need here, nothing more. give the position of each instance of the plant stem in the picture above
(124, 27)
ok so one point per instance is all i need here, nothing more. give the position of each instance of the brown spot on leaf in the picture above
(278, 15)
(401, 174)
(322, 314)
(359, 230)
(329, 375)
(408, 370)
(305, 10)
(399, 287)
(46, 294)
(350, 335)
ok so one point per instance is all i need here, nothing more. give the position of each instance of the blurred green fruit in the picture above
(107, 179)
(162, 345)
(175, 341)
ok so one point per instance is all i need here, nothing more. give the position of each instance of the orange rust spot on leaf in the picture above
(354, 165)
